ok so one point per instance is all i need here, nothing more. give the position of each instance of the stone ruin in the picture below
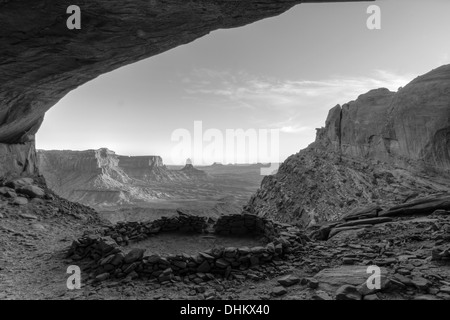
(106, 258)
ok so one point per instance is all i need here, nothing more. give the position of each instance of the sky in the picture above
(283, 73)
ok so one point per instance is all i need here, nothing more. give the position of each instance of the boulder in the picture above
(371, 297)
(31, 191)
(204, 267)
(17, 183)
(20, 201)
(420, 206)
(134, 255)
(102, 277)
(321, 295)
(348, 292)
(288, 280)
(333, 278)
(279, 291)
(222, 263)
(7, 192)
(28, 216)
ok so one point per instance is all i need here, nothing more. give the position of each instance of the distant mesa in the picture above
(100, 177)
(247, 165)
(193, 172)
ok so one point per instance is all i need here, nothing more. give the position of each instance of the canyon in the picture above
(100, 176)
(131, 188)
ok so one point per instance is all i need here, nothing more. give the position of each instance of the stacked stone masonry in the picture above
(108, 259)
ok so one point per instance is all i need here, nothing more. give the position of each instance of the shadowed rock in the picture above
(421, 206)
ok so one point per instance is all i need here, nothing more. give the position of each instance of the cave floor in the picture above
(34, 239)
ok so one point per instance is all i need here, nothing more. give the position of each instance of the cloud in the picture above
(292, 105)
(294, 129)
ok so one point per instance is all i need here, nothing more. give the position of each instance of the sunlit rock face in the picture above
(96, 177)
(409, 127)
(418, 126)
(380, 150)
(41, 60)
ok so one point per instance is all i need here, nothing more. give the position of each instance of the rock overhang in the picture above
(42, 60)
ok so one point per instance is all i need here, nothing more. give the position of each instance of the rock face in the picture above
(193, 172)
(96, 177)
(419, 122)
(42, 60)
(17, 159)
(409, 127)
(382, 149)
(148, 169)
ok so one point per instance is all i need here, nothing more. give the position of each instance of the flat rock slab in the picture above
(332, 279)
(369, 211)
(365, 221)
(20, 201)
(279, 291)
(420, 206)
(335, 231)
(288, 280)
(31, 191)
(28, 216)
(347, 292)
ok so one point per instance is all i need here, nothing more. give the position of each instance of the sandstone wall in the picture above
(381, 149)
(418, 126)
(410, 127)
(18, 160)
(66, 160)
(100, 177)
(140, 161)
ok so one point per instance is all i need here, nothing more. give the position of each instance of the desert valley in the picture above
(123, 188)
